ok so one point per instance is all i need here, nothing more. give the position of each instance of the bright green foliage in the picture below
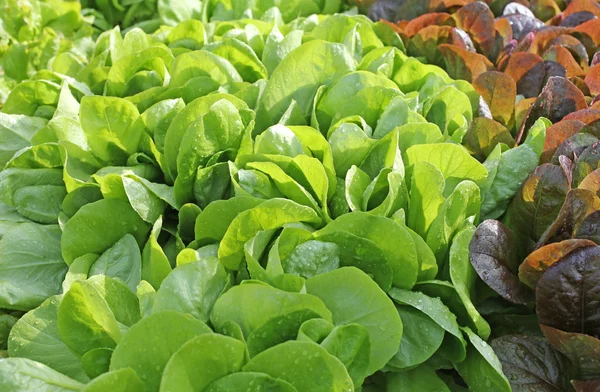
(235, 195)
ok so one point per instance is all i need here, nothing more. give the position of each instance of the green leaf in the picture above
(216, 355)
(172, 13)
(215, 219)
(94, 313)
(16, 132)
(155, 264)
(242, 57)
(279, 329)
(447, 108)
(148, 345)
(269, 215)
(111, 127)
(318, 62)
(20, 374)
(348, 87)
(180, 124)
(252, 304)
(220, 129)
(482, 369)
(464, 278)
(452, 160)
(426, 197)
(36, 336)
(513, 167)
(277, 47)
(122, 380)
(114, 218)
(463, 204)
(202, 64)
(312, 258)
(422, 378)
(454, 345)
(122, 261)
(323, 372)
(192, 288)
(421, 338)
(33, 98)
(369, 307)
(400, 253)
(351, 345)
(251, 381)
(31, 265)
(96, 361)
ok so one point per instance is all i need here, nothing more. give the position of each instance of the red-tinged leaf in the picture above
(557, 134)
(493, 256)
(411, 9)
(531, 363)
(476, 19)
(590, 227)
(534, 266)
(587, 42)
(574, 145)
(462, 64)
(432, 19)
(484, 134)
(521, 67)
(577, 18)
(522, 25)
(525, 42)
(505, 54)
(504, 30)
(586, 386)
(592, 79)
(564, 57)
(558, 98)
(585, 115)
(574, 46)
(587, 162)
(580, 83)
(461, 39)
(595, 104)
(544, 9)
(582, 5)
(582, 350)
(384, 9)
(543, 38)
(425, 43)
(512, 7)
(578, 205)
(537, 205)
(521, 110)
(592, 29)
(592, 182)
(400, 26)
(568, 293)
(499, 91)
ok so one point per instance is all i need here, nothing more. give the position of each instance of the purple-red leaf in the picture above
(578, 205)
(557, 134)
(462, 64)
(537, 263)
(484, 134)
(531, 364)
(493, 256)
(583, 350)
(568, 293)
(558, 98)
(499, 92)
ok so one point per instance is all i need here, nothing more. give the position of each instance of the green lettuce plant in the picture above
(285, 204)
